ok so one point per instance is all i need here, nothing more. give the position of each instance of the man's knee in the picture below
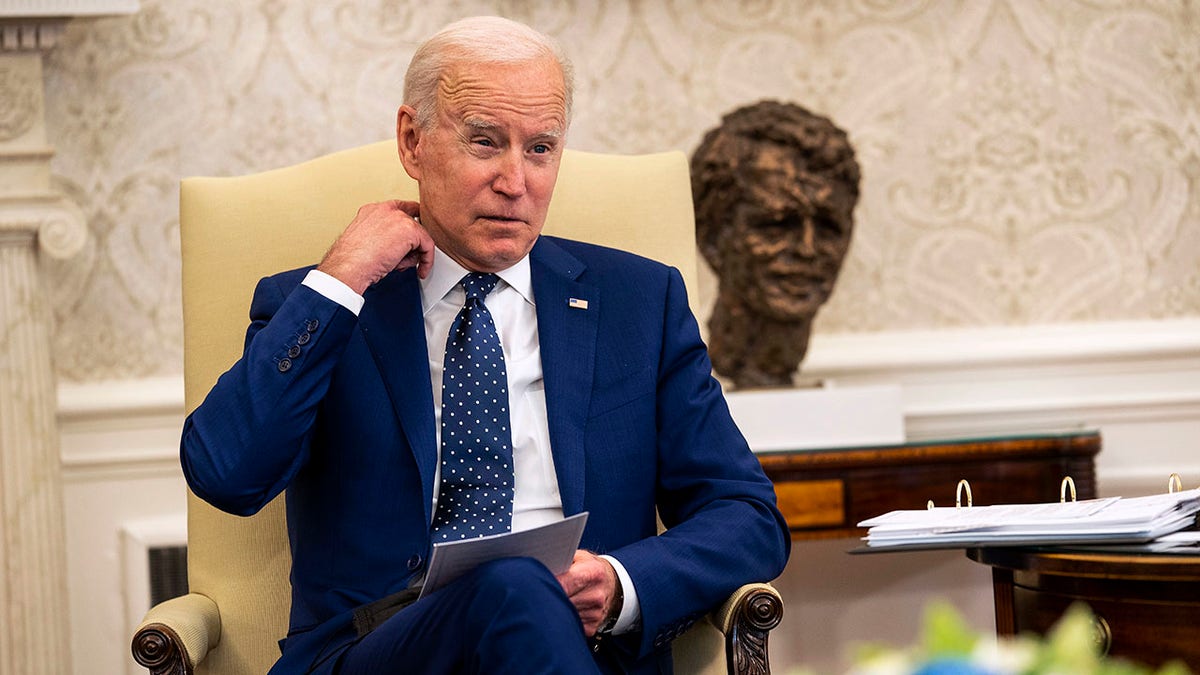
(518, 585)
(524, 576)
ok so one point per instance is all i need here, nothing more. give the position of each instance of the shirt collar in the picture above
(446, 274)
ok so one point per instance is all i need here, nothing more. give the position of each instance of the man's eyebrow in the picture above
(477, 124)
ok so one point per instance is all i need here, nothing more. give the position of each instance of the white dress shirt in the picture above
(536, 498)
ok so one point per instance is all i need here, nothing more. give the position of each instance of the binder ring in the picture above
(1067, 481)
(929, 505)
(1174, 483)
(958, 494)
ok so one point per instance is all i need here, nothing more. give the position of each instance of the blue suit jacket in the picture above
(338, 410)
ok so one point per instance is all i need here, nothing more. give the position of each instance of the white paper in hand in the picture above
(553, 545)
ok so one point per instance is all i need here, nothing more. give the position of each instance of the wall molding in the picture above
(124, 426)
(829, 356)
(1013, 379)
(1059, 344)
(120, 398)
(954, 384)
(66, 8)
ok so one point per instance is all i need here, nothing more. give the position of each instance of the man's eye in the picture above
(541, 149)
(485, 142)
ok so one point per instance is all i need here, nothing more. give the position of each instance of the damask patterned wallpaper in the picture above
(1024, 161)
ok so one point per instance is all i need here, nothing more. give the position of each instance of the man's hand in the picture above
(591, 584)
(383, 236)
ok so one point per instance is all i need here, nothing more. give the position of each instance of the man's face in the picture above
(782, 255)
(488, 163)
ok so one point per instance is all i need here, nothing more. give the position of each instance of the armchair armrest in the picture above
(745, 619)
(177, 634)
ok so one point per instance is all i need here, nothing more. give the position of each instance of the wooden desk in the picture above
(1147, 605)
(825, 493)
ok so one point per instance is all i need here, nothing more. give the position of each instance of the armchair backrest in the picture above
(235, 231)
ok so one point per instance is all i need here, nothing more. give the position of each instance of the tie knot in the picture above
(479, 285)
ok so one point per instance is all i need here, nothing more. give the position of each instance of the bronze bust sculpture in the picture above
(774, 187)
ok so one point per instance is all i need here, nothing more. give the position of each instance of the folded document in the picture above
(553, 545)
(1110, 520)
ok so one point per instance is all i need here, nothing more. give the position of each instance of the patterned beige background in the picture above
(1024, 161)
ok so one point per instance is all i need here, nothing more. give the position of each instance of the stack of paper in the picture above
(1111, 520)
(1184, 543)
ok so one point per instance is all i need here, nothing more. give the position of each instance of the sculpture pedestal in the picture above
(825, 417)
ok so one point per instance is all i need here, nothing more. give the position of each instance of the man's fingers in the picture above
(411, 208)
(425, 266)
(569, 580)
(590, 584)
(421, 257)
(420, 254)
(577, 578)
(383, 236)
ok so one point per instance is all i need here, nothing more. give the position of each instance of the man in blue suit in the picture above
(345, 397)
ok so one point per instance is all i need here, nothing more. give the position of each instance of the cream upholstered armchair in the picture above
(237, 230)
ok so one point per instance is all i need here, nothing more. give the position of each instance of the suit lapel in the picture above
(568, 316)
(392, 325)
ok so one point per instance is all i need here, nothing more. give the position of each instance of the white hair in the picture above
(480, 39)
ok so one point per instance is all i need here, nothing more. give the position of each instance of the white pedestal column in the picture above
(34, 221)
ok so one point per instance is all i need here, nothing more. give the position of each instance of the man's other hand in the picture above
(591, 584)
(383, 236)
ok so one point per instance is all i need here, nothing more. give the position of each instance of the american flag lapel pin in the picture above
(576, 303)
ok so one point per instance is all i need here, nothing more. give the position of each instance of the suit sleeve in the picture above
(245, 442)
(723, 527)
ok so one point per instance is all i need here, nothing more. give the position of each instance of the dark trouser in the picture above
(507, 616)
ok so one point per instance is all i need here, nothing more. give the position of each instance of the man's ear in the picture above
(408, 139)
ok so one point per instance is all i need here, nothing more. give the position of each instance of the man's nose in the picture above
(807, 244)
(510, 175)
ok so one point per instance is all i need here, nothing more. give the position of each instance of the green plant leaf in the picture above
(945, 632)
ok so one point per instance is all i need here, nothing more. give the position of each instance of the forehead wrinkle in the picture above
(456, 79)
(484, 98)
(473, 96)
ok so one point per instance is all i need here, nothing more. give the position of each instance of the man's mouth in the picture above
(501, 219)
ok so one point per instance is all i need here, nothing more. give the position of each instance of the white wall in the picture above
(1139, 383)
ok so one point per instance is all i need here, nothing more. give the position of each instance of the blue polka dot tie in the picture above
(476, 493)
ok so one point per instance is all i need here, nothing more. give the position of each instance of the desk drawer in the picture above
(812, 503)
(1151, 632)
